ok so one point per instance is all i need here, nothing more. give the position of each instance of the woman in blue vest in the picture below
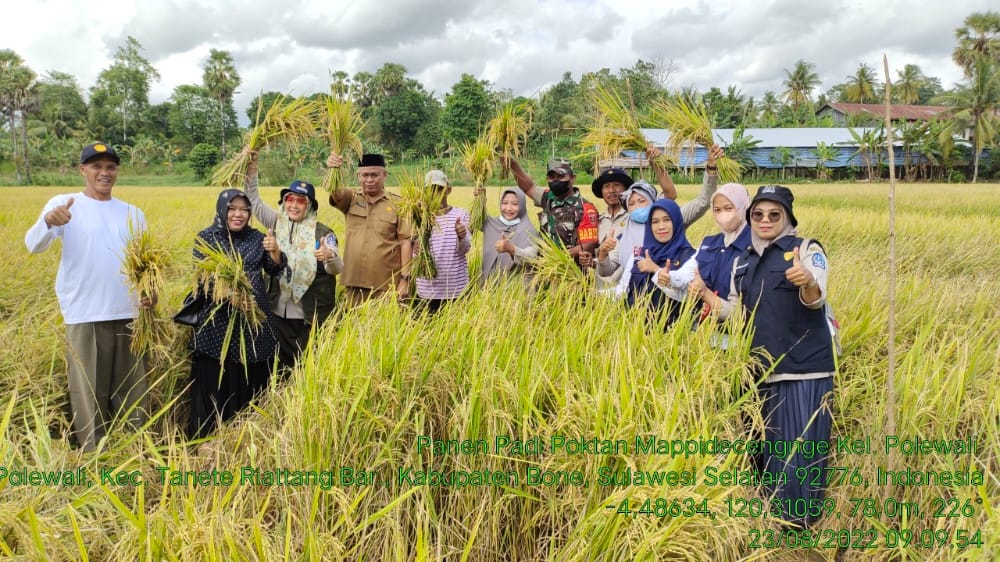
(781, 284)
(718, 251)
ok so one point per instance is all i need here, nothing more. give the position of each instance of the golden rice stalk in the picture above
(689, 125)
(343, 125)
(287, 120)
(222, 273)
(420, 206)
(614, 127)
(554, 266)
(143, 264)
(477, 159)
(508, 131)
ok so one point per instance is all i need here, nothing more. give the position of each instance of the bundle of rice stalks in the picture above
(689, 124)
(144, 263)
(614, 127)
(420, 205)
(477, 158)
(222, 274)
(554, 267)
(343, 126)
(287, 120)
(508, 131)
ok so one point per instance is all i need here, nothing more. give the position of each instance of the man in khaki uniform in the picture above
(377, 248)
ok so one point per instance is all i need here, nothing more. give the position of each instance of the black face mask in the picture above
(559, 188)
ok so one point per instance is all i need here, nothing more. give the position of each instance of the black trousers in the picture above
(293, 336)
(219, 392)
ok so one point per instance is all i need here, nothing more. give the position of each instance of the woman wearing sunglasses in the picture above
(303, 292)
(780, 282)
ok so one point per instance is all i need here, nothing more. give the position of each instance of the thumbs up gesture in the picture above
(797, 274)
(696, 288)
(60, 215)
(460, 229)
(271, 246)
(647, 265)
(610, 243)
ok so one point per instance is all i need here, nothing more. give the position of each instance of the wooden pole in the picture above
(891, 378)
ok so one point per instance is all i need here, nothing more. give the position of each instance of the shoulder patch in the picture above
(819, 261)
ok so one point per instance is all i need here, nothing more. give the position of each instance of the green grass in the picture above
(521, 365)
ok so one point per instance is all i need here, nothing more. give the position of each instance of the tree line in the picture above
(47, 117)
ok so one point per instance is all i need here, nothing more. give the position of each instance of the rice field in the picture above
(529, 398)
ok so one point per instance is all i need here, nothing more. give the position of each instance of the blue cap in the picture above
(301, 188)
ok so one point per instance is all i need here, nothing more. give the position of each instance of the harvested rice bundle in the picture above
(419, 206)
(689, 124)
(555, 267)
(287, 120)
(508, 131)
(343, 125)
(614, 127)
(477, 158)
(143, 264)
(222, 272)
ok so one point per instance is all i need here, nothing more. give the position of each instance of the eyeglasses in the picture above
(239, 210)
(773, 215)
(297, 199)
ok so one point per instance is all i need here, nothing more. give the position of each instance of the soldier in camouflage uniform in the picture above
(566, 217)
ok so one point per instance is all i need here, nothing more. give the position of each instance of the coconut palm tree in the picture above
(221, 80)
(978, 36)
(975, 105)
(799, 84)
(769, 108)
(861, 85)
(907, 86)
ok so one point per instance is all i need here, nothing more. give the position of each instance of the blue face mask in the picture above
(640, 215)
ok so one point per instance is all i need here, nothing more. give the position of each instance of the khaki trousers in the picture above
(105, 379)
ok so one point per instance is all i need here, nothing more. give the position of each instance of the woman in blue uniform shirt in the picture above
(781, 284)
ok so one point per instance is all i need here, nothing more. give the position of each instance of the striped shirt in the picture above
(449, 256)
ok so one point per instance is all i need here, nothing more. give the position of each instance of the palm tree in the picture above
(907, 86)
(17, 96)
(799, 84)
(769, 108)
(221, 80)
(861, 85)
(975, 106)
(979, 36)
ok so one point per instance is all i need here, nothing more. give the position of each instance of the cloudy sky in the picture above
(522, 45)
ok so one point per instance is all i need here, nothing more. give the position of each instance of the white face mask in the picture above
(509, 222)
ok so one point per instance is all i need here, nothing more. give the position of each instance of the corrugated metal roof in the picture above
(762, 158)
(802, 137)
(896, 111)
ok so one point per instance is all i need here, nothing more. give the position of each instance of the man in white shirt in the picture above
(105, 379)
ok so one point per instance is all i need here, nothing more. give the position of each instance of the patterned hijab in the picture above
(219, 224)
(298, 242)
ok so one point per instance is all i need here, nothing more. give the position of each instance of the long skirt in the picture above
(216, 397)
(797, 410)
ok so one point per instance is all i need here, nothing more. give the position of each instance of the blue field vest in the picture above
(782, 324)
(715, 260)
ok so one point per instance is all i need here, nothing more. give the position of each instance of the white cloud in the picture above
(521, 45)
